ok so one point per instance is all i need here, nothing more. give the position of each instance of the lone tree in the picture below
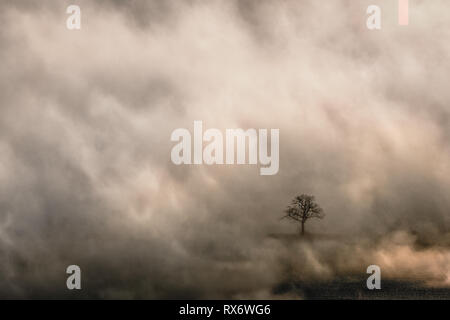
(302, 208)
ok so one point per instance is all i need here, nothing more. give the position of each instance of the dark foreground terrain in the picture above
(355, 289)
(352, 286)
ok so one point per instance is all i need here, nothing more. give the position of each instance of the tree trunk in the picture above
(303, 228)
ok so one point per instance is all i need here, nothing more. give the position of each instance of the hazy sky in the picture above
(85, 124)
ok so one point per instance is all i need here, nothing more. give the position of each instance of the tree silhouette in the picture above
(302, 208)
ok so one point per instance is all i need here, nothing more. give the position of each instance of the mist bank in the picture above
(86, 118)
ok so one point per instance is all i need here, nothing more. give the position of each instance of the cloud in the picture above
(85, 123)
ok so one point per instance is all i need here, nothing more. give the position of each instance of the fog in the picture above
(85, 124)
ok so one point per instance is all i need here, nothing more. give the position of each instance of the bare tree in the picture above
(302, 208)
